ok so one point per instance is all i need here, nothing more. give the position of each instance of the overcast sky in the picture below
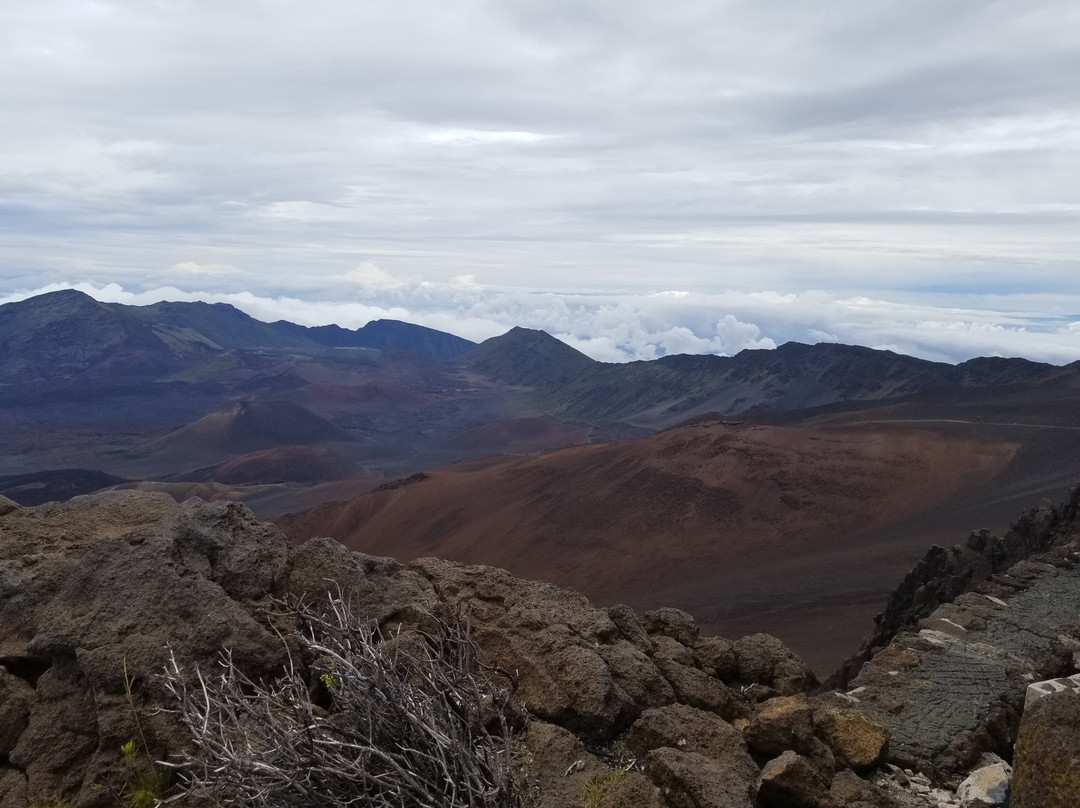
(635, 177)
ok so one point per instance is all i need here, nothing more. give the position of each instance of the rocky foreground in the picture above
(622, 709)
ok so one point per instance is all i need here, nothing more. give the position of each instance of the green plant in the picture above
(146, 783)
(622, 760)
(598, 786)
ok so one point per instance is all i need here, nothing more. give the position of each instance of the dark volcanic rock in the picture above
(93, 592)
(40, 487)
(1047, 762)
(554, 641)
(954, 689)
(688, 729)
(792, 781)
(96, 591)
(763, 659)
(691, 780)
(859, 742)
(943, 575)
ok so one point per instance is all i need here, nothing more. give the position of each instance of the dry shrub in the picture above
(408, 723)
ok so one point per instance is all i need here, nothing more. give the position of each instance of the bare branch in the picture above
(411, 723)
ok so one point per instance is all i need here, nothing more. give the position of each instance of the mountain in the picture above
(385, 335)
(527, 356)
(67, 334)
(63, 335)
(665, 391)
(249, 426)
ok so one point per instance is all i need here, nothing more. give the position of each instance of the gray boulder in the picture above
(1045, 770)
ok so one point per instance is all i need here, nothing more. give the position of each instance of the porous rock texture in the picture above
(951, 687)
(95, 592)
(1047, 762)
(954, 688)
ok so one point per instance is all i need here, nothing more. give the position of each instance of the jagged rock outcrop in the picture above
(952, 687)
(943, 575)
(95, 591)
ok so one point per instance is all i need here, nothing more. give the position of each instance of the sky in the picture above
(637, 178)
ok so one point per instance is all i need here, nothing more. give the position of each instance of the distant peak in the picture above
(528, 356)
(60, 295)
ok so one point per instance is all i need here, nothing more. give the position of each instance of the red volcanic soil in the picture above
(518, 435)
(307, 465)
(749, 527)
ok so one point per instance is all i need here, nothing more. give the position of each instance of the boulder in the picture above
(1045, 770)
(691, 780)
(626, 620)
(669, 649)
(781, 723)
(763, 659)
(696, 688)
(851, 791)
(792, 781)
(636, 674)
(688, 729)
(548, 639)
(674, 623)
(557, 766)
(381, 588)
(858, 741)
(716, 656)
(987, 787)
(97, 590)
(786, 723)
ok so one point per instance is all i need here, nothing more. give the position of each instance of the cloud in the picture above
(191, 268)
(370, 279)
(920, 153)
(477, 137)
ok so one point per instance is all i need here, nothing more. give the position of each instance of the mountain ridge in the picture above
(668, 390)
(68, 333)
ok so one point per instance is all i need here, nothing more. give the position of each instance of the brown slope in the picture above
(307, 465)
(517, 435)
(724, 520)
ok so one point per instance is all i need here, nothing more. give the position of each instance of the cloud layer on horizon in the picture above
(620, 328)
(906, 158)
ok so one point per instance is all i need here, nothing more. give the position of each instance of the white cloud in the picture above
(192, 268)
(304, 211)
(369, 279)
(477, 137)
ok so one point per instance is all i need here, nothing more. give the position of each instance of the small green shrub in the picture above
(146, 784)
(598, 786)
